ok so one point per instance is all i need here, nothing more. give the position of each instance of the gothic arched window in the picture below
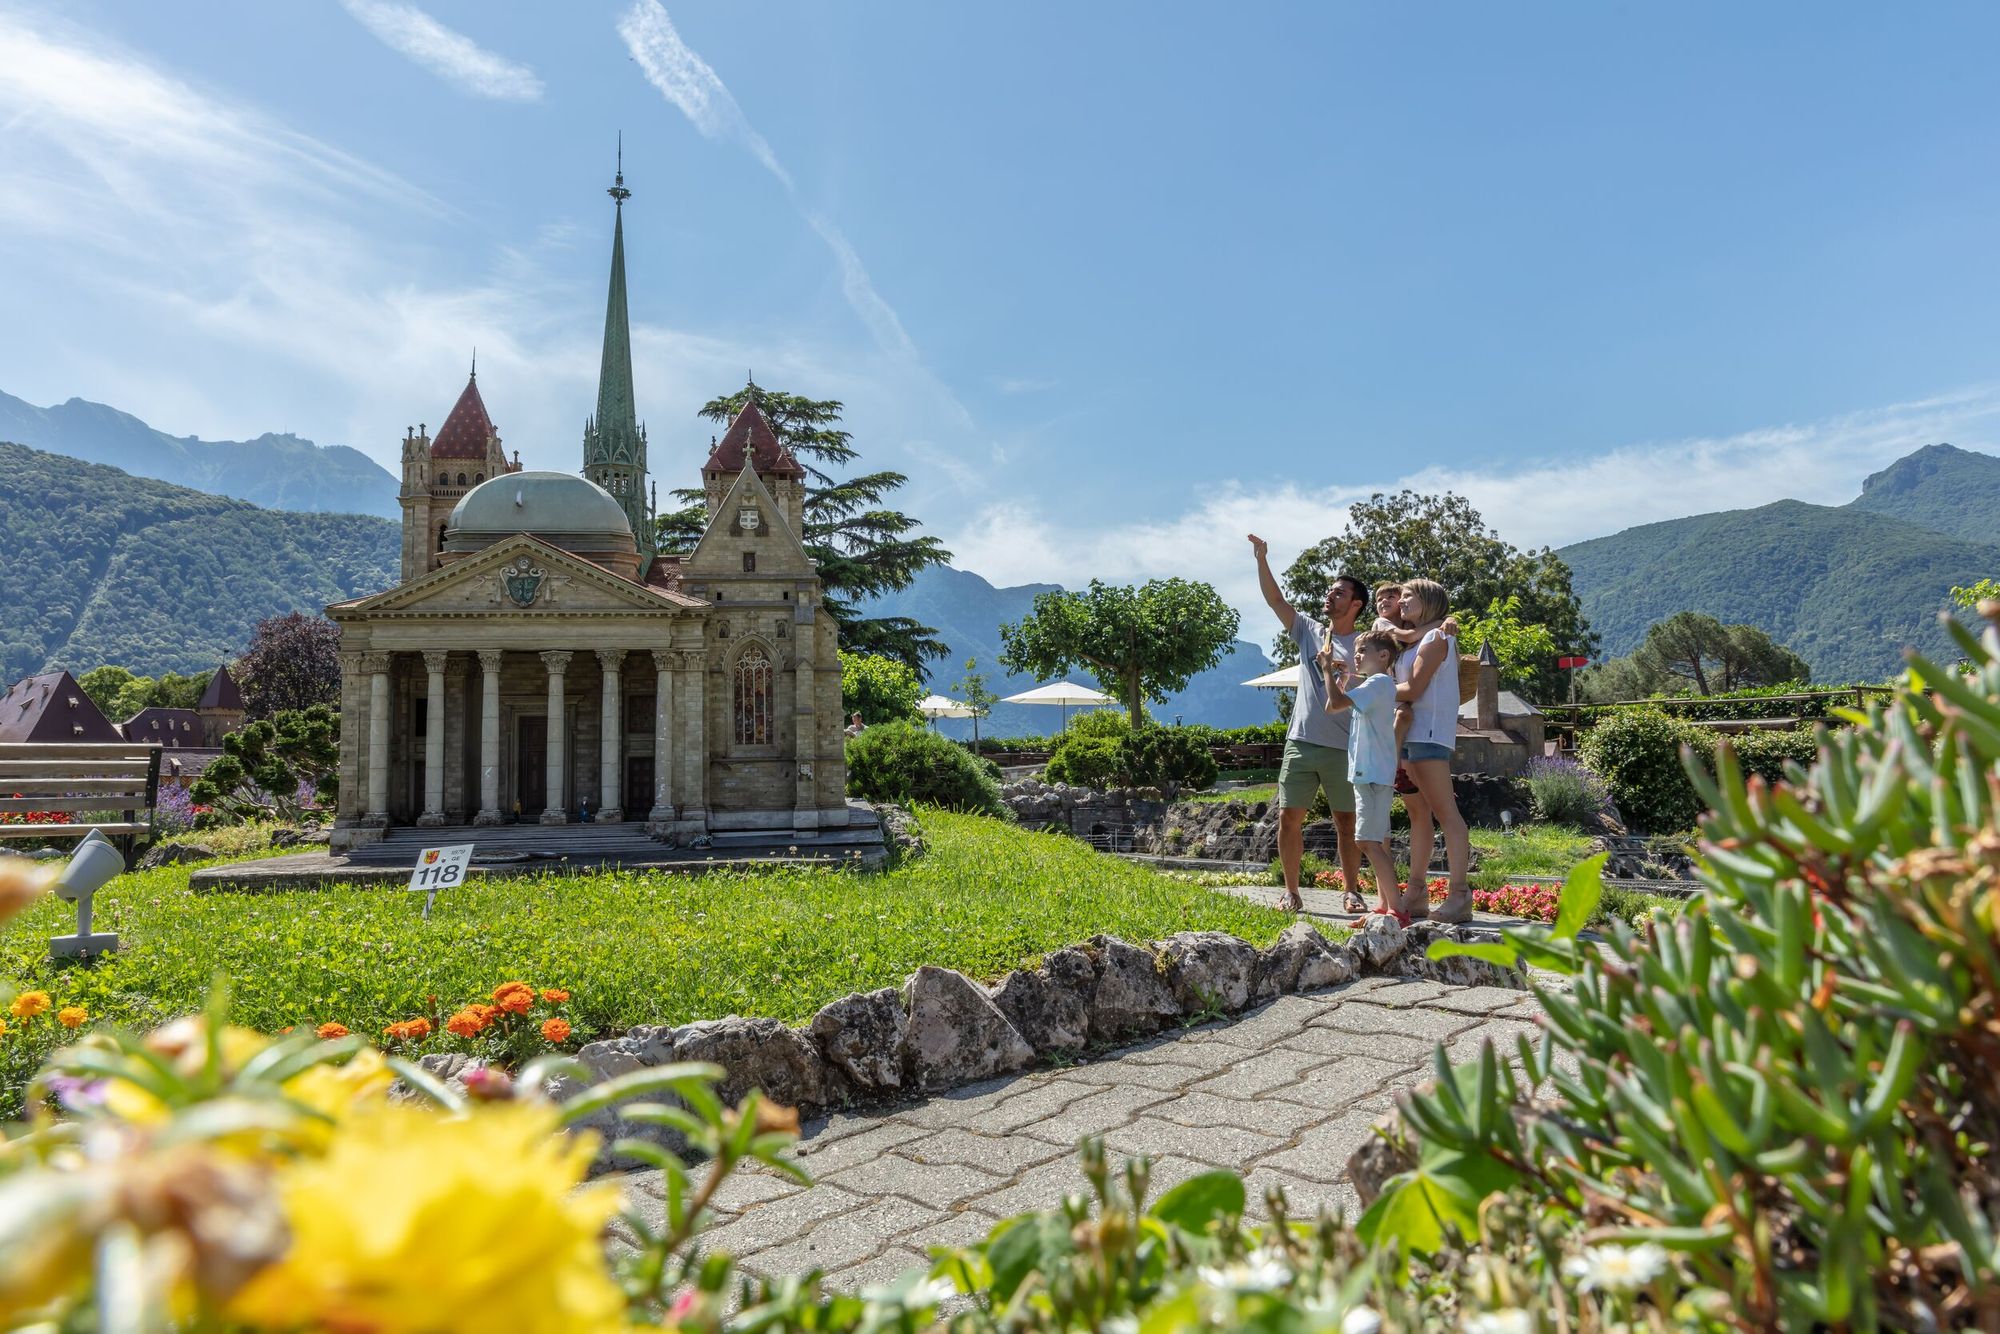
(753, 698)
(478, 477)
(461, 479)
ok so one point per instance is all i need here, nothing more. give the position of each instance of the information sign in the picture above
(439, 868)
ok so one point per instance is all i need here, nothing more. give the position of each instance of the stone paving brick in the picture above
(775, 1221)
(1222, 1146)
(747, 1186)
(1036, 1102)
(1303, 1199)
(889, 1131)
(881, 1271)
(1261, 1028)
(1322, 1151)
(842, 1240)
(1104, 1109)
(1500, 1032)
(1158, 1075)
(956, 1107)
(1004, 1155)
(1266, 1116)
(1259, 1073)
(1432, 1026)
(1478, 1000)
(1339, 1085)
(960, 1229)
(1168, 1050)
(1332, 1040)
(938, 1185)
(1398, 993)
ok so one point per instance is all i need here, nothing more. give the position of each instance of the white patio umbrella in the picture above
(935, 707)
(1285, 678)
(1065, 693)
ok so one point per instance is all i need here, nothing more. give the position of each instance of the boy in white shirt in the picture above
(1371, 758)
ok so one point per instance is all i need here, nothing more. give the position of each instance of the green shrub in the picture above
(1098, 722)
(1638, 753)
(1564, 791)
(1164, 757)
(907, 763)
(1766, 753)
(1785, 1094)
(1085, 761)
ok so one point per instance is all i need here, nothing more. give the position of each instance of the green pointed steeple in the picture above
(614, 445)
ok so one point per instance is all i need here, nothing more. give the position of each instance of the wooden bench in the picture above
(119, 783)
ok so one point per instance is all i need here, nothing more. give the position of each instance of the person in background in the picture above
(1371, 751)
(1316, 742)
(1427, 680)
(855, 727)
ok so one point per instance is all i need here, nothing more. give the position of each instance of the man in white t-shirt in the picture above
(1316, 743)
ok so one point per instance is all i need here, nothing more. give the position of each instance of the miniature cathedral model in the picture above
(540, 659)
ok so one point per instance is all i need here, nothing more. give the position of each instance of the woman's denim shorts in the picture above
(1425, 750)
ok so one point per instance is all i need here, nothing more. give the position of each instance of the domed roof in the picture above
(570, 511)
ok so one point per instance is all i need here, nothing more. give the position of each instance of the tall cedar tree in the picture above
(864, 549)
(293, 662)
(1443, 537)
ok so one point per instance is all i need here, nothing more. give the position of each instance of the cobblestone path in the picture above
(1283, 1093)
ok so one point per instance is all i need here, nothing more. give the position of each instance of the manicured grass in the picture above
(1529, 849)
(634, 949)
(1266, 792)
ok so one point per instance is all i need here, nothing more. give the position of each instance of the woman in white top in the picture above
(1427, 680)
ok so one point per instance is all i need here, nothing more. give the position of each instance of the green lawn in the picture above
(633, 948)
(1529, 849)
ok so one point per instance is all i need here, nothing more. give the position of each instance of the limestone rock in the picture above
(173, 854)
(955, 1033)
(1131, 996)
(1050, 1006)
(1384, 1154)
(757, 1053)
(862, 1037)
(1460, 970)
(1378, 943)
(1209, 969)
(1301, 959)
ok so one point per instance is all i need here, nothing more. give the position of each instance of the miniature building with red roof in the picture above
(52, 707)
(439, 470)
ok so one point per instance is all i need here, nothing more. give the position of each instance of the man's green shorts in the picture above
(1307, 768)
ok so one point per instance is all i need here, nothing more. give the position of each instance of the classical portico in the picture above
(541, 664)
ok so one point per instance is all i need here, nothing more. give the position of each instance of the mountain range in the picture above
(277, 471)
(1844, 586)
(121, 552)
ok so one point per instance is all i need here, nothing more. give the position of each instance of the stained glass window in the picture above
(753, 698)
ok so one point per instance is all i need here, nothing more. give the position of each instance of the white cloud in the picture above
(1545, 502)
(452, 56)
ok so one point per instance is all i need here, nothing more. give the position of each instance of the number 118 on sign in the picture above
(439, 868)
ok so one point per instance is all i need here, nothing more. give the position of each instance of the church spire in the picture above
(614, 449)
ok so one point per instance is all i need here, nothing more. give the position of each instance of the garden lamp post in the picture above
(91, 867)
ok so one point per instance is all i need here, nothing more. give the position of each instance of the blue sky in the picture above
(1111, 282)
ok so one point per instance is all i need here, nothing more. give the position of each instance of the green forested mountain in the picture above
(276, 470)
(105, 567)
(1844, 587)
(1941, 487)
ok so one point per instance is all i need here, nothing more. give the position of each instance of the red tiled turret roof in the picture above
(752, 431)
(466, 431)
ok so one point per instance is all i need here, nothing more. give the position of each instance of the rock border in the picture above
(942, 1029)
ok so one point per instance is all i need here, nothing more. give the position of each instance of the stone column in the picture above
(611, 737)
(664, 754)
(489, 738)
(376, 665)
(434, 664)
(805, 805)
(693, 739)
(353, 757)
(557, 661)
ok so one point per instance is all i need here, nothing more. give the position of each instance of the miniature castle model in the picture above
(539, 659)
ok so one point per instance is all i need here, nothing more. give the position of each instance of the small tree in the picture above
(293, 662)
(973, 690)
(1524, 650)
(103, 685)
(1699, 652)
(1141, 643)
(1986, 590)
(881, 690)
(277, 767)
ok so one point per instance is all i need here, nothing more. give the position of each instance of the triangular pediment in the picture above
(721, 544)
(523, 575)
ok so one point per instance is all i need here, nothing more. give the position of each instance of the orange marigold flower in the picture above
(466, 1023)
(507, 989)
(555, 1030)
(554, 995)
(517, 1002)
(417, 1029)
(29, 1004)
(72, 1016)
(329, 1031)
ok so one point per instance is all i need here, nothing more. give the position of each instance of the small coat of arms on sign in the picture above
(523, 580)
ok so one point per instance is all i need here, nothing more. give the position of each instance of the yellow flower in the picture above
(415, 1222)
(338, 1091)
(184, 1045)
(29, 1004)
(72, 1016)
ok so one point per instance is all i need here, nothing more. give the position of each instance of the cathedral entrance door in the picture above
(531, 765)
(638, 786)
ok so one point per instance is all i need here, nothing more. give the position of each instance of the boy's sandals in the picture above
(1354, 903)
(1291, 903)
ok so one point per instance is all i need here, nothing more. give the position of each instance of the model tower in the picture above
(614, 444)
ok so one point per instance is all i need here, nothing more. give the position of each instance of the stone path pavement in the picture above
(1283, 1093)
